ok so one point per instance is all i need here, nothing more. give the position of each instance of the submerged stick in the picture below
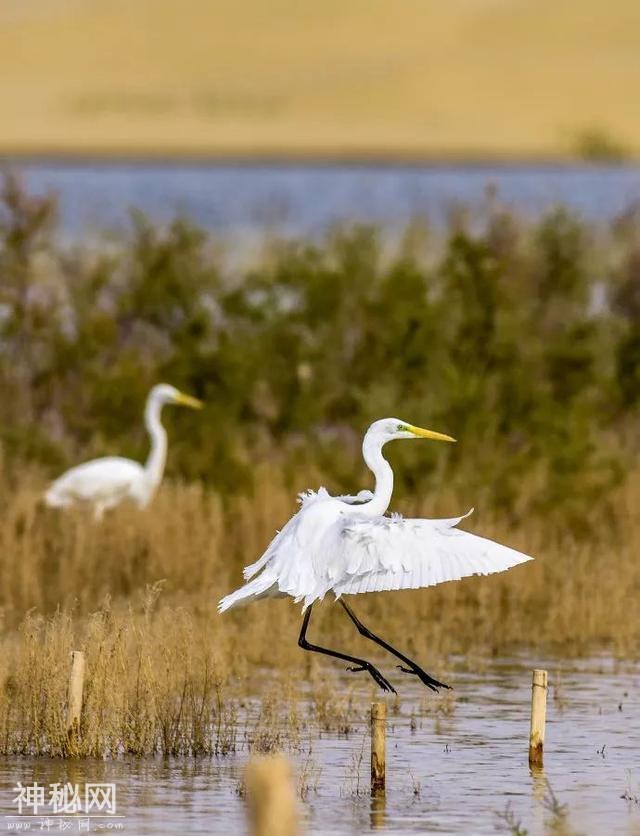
(271, 797)
(378, 762)
(538, 717)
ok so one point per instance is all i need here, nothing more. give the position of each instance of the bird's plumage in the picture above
(329, 546)
(101, 480)
(395, 553)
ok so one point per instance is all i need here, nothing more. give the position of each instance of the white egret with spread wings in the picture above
(347, 546)
(105, 483)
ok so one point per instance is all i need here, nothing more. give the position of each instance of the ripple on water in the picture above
(453, 773)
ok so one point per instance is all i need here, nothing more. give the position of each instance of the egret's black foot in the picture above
(375, 674)
(424, 677)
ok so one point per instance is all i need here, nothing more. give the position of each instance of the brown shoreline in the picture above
(314, 157)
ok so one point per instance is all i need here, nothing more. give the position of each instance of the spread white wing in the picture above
(286, 537)
(384, 553)
(328, 545)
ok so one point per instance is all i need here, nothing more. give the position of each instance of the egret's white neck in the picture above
(154, 467)
(376, 462)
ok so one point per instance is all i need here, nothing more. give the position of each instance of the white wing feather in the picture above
(385, 553)
(306, 500)
(295, 560)
(329, 545)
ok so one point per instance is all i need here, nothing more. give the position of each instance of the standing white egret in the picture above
(106, 482)
(334, 545)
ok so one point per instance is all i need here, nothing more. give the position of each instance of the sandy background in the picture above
(468, 77)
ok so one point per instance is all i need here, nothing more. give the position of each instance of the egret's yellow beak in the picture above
(434, 436)
(187, 400)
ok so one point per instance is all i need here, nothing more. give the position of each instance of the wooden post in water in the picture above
(538, 717)
(378, 759)
(271, 797)
(74, 697)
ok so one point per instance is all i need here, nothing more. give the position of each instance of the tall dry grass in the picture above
(166, 674)
(191, 545)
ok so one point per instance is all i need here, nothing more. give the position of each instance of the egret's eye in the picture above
(401, 428)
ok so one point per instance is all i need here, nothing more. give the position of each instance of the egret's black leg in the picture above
(412, 668)
(358, 664)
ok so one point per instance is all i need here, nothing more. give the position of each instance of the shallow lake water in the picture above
(243, 202)
(446, 773)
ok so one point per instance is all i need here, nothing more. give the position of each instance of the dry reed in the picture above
(165, 673)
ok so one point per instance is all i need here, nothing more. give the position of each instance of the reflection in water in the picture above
(539, 789)
(378, 806)
(539, 782)
(454, 774)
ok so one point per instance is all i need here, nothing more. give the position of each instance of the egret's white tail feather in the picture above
(262, 587)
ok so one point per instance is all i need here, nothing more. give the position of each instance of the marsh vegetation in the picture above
(519, 339)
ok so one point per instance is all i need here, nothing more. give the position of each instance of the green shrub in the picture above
(521, 340)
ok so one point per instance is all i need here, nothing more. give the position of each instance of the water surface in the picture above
(242, 201)
(447, 773)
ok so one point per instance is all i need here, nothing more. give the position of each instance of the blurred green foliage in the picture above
(522, 340)
(596, 145)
